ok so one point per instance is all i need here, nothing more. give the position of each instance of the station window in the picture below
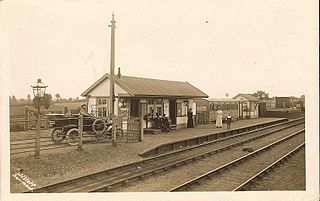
(143, 109)
(211, 107)
(150, 106)
(181, 110)
(154, 106)
(101, 109)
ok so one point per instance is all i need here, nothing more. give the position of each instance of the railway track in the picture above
(234, 175)
(115, 177)
(263, 173)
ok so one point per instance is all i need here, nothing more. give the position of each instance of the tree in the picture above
(302, 99)
(46, 101)
(14, 100)
(21, 100)
(57, 96)
(262, 96)
(28, 98)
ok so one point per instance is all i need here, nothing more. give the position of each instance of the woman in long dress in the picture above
(219, 119)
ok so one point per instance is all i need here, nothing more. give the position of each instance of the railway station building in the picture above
(143, 97)
(249, 106)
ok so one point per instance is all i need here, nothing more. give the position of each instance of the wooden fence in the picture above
(28, 120)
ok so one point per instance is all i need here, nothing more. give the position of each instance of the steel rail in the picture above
(263, 172)
(234, 162)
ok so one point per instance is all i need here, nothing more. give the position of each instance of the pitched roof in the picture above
(137, 86)
(249, 97)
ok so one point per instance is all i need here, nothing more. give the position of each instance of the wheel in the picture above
(73, 136)
(119, 133)
(57, 136)
(99, 126)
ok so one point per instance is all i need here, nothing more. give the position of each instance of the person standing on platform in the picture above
(229, 119)
(190, 119)
(219, 119)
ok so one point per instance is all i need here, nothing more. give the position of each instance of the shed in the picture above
(249, 105)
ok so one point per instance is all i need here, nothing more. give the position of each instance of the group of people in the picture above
(83, 112)
(219, 119)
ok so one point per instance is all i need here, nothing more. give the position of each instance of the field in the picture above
(18, 116)
(18, 111)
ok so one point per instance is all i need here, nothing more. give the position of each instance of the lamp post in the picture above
(38, 91)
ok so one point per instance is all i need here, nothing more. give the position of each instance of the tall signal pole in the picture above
(112, 66)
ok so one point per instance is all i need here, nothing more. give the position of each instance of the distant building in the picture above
(288, 102)
(249, 105)
(135, 96)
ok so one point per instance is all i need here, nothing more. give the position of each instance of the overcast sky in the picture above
(229, 46)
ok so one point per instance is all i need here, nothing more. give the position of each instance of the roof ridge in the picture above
(151, 78)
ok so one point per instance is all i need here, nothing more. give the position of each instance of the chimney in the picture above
(119, 73)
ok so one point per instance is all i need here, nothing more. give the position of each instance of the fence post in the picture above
(65, 110)
(80, 128)
(37, 153)
(114, 134)
(27, 118)
(141, 128)
(128, 129)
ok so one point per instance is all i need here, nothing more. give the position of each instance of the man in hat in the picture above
(83, 111)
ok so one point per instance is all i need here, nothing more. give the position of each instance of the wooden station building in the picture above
(136, 97)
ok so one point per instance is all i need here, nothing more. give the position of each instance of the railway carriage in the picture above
(207, 109)
(228, 106)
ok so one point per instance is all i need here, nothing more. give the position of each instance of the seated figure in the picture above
(83, 111)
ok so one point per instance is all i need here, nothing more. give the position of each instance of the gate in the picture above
(262, 109)
(132, 128)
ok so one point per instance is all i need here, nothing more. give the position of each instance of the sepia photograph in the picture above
(159, 100)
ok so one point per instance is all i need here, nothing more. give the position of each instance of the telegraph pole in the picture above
(112, 66)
